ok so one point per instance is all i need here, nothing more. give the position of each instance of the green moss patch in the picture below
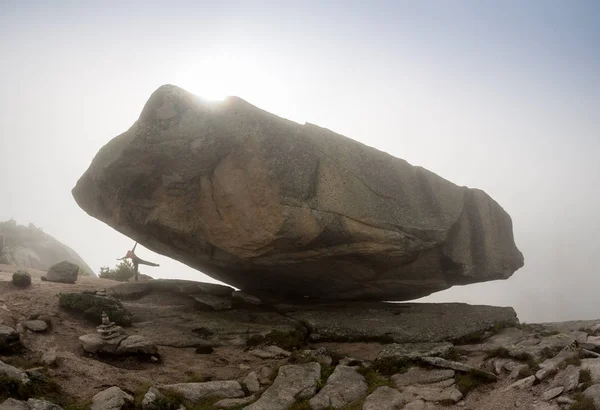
(91, 307)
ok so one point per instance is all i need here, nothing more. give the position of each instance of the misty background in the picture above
(501, 96)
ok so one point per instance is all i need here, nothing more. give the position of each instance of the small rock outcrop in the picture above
(194, 393)
(21, 279)
(384, 398)
(112, 398)
(293, 383)
(62, 272)
(36, 325)
(11, 373)
(344, 386)
(287, 211)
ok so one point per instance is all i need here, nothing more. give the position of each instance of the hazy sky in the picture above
(498, 95)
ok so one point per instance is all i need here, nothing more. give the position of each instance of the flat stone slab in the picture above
(195, 392)
(413, 351)
(459, 367)
(344, 386)
(416, 375)
(398, 322)
(212, 301)
(384, 398)
(293, 383)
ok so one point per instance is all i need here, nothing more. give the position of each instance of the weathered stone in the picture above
(593, 392)
(293, 382)
(63, 272)
(50, 358)
(593, 340)
(552, 393)
(136, 290)
(544, 372)
(245, 298)
(344, 386)
(506, 337)
(525, 383)
(593, 365)
(459, 367)
(12, 404)
(270, 352)
(36, 325)
(567, 378)
(183, 325)
(251, 382)
(265, 375)
(21, 279)
(564, 400)
(545, 406)
(416, 375)
(151, 399)
(323, 356)
(35, 404)
(384, 398)
(277, 208)
(9, 338)
(416, 405)
(212, 301)
(579, 336)
(398, 322)
(136, 344)
(434, 394)
(195, 392)
(553, 344)
(12, 373)
(112, 398)
(231, 403)
(412, 351)
(588, 354)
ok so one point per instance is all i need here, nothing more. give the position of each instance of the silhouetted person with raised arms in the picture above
(136, 261)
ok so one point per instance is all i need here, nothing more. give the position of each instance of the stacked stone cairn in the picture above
(108, 330)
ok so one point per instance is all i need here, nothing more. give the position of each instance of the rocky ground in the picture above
(216, 348)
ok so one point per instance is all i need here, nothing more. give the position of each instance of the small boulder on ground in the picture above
(36, 325)
(112, 398)
(62, 272)
(21, 279)
(10, 373)
(593, 392)
(344, 386)
(293, 383)
(12, 404)
(384, 398)
(9, 338)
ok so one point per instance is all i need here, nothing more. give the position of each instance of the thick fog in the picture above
(502, 96)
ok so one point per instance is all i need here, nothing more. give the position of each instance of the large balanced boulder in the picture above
(286, 210)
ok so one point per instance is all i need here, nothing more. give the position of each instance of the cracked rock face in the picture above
(286, 211)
